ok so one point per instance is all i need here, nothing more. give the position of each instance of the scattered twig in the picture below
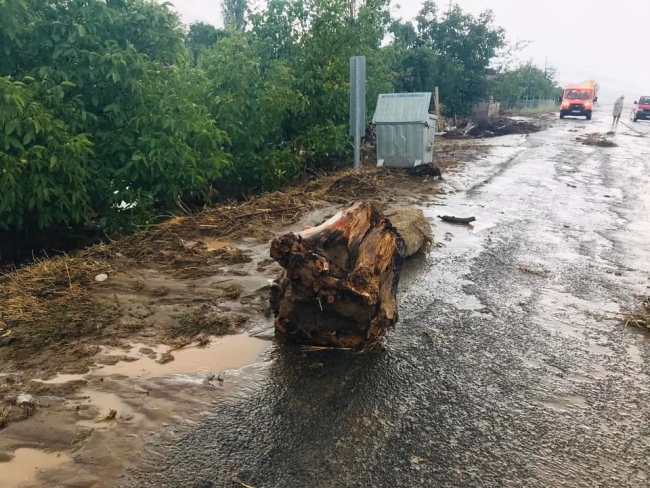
(241, 483)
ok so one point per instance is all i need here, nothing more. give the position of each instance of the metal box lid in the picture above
(403, 108)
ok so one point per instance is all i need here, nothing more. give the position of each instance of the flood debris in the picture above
(640, 317)
(166, 357)
(27, 404)
(494, 128)
(112, 415)
(421, 170)
(339, 283)
(50, 301)
(597, 139)
(4, 415)
(456, 220)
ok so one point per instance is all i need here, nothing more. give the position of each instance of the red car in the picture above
(641, 110)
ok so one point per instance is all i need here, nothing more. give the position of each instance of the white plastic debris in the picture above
(25, 399)
(100, 278)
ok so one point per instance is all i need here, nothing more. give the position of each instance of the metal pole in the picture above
(361, 122)
(357, 150)
(357, 104)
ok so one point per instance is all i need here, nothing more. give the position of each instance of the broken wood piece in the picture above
(457, 220)
(339, 283)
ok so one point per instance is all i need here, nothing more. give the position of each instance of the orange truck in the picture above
(578, 101)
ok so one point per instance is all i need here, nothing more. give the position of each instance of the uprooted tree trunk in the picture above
(339, 283)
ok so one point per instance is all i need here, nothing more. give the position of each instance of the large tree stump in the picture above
(339, 283)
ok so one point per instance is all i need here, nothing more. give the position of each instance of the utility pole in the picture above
(545, 64)
(450, 6)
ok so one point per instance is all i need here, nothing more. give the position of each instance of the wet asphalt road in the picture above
(509, 366)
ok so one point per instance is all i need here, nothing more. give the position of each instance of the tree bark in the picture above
(339, 283)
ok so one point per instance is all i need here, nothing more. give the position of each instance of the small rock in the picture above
(165, 358)
(147, 351)
(100, 278)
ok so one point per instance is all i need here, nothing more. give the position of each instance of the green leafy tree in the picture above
(202, 36)
(524, 81)
(250, 102)
(234, 13)
(451, 51)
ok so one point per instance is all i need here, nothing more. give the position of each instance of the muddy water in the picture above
(59, 379)
(230, 352)
(223, 353)
(210, 243)
(105, 403)
(24, 467)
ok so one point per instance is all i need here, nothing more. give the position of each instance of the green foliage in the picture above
(104, 117)
(250, 102)
(450, 51)
(202, 36)
(112, 111)
(525, 81)
(234, 13)
(43, 167)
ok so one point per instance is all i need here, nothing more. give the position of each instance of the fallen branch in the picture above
(457, 220)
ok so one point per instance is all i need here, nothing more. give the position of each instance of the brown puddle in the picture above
(223, 353)
(105, 402)
(25, 465)
(210, 243)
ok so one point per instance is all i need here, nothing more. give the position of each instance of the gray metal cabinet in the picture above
(405, 129)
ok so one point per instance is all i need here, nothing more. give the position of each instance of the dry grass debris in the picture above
(194, 322)
(50, 301)
(596, 139)
(4, 416)
(641, 316)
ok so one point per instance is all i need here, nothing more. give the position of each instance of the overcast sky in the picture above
(606, 41)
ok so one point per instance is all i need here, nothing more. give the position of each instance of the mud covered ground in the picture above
(511, 364)
(108, 346)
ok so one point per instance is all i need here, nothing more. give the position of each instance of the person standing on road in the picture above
(618, 110)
